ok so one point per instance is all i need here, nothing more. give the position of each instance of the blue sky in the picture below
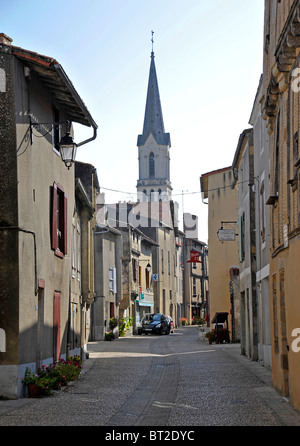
(208, 58)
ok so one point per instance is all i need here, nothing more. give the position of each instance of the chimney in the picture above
(5, 40)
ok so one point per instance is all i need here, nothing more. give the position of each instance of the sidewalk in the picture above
(280, 405)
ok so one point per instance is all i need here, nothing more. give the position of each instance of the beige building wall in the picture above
(36, 208)
(222, 207)
(282, 114)
(39, 167)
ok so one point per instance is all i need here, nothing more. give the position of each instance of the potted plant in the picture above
(198, 320)
(32, 381)
(183, 321)
(113, 323)
(211, 336)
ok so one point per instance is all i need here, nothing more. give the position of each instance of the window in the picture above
(241, 222)
(113, 280)
(262, 212)
(147, 278)
(151, 165)
(73, 249)
(59, 221)
(134, 270)
(78, 251)
(277, 171)
(194, 287)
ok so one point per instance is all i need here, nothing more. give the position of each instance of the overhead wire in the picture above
(179, 194)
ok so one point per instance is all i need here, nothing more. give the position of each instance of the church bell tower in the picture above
(154, 147)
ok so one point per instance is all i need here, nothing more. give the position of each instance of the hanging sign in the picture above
(226, 235)
(195, 257)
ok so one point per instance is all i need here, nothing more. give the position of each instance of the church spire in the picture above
(153, 121)
(154, 147)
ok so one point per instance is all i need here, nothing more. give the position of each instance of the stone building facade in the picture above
(282, 114)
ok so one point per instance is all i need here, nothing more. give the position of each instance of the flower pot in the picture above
(210, 342)
(34, 391)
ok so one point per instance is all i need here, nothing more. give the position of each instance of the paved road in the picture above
(169, 381)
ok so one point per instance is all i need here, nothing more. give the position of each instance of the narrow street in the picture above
(173, 380)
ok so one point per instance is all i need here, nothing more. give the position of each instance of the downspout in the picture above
(90, 139)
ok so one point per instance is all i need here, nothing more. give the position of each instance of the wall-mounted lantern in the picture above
(67, 147)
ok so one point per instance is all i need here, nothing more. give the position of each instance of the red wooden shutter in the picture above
(54, 217)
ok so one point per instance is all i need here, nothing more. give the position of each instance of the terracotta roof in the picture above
(54, 78)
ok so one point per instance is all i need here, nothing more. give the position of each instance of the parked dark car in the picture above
(154, 323)
(171, 324)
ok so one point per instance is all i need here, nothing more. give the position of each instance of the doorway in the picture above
(40, 326)
(56, 326)
(284, 342)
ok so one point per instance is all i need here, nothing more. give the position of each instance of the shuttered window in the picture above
(113, 280)
(241, 223)
(73, 249)
(59, 221)
(135, 273)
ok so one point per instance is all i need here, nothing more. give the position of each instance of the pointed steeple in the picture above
(153, 122)
(154, 147)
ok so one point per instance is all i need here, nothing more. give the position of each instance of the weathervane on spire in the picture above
(152, 40)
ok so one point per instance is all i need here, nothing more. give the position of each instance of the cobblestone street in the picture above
(171, 381)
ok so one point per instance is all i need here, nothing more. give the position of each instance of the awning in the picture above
(143, 303)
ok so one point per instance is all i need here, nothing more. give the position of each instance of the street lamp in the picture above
(148, 267)
(67, 147)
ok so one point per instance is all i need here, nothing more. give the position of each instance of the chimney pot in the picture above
(4, 39)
